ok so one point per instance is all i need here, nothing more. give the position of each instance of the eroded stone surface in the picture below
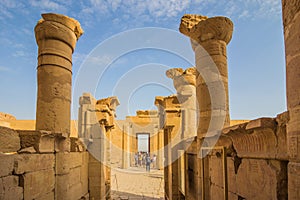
(9, 188)
(38, 183)
(200, 28)
(33, 162)
(9, 140)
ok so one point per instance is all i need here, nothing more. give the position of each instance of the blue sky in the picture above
(136, 76)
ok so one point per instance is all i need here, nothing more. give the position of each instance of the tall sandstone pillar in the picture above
(56, 37)
(184, 82)
(291, 23)
(209, 39)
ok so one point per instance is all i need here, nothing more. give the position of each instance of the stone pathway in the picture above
(136, 183)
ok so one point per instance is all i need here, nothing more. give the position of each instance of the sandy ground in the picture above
(136, 183)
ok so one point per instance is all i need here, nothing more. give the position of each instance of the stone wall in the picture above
(39, 165)
(256, 154)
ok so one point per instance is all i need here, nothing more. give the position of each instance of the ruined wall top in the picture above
(168, 103)
(87, 98)
(146, 113)
(5, 116)
(110, 102)
(200, 28)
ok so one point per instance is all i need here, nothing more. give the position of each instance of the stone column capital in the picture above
(58, 27)
(182, 77)
(201, 29)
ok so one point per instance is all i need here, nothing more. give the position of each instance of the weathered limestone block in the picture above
(294, 180)
(9, 140)
(84, 174)
(9, 188)
(261, 143)
(7, 164)
(96, 172)
(71, 175)
(68, 185)
(56, 37)
(234, 128)
(41, 141)
(216, 170)
(44, 141)
(67, 161)
(77, 145)
(262, 179)
(62, 144)
(38, 184)
(48, 196)
(261, 123)
(281, 133)
(25, 163)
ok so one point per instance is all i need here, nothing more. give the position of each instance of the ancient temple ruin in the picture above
(202, 152)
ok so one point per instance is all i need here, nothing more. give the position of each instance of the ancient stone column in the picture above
(291, 23)
(126, 151)
(56, 37)
(160, 153)
(184, 83)
(106, 115)
(209, 37)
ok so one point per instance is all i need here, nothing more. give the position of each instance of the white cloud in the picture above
(47, 5)
(244, 14)
(157, 8)
(8, 8)
(239, 8)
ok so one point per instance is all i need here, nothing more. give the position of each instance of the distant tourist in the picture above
(136, 159)
(154, 161)
(143, 159)
(140, 159)
(148, 162)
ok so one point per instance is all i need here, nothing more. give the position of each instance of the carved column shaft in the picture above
(56, 37)
(211, 56)
(291, 22)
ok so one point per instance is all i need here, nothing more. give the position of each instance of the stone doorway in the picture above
(143, 142)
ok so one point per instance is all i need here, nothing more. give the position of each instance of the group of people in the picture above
(143, 159)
